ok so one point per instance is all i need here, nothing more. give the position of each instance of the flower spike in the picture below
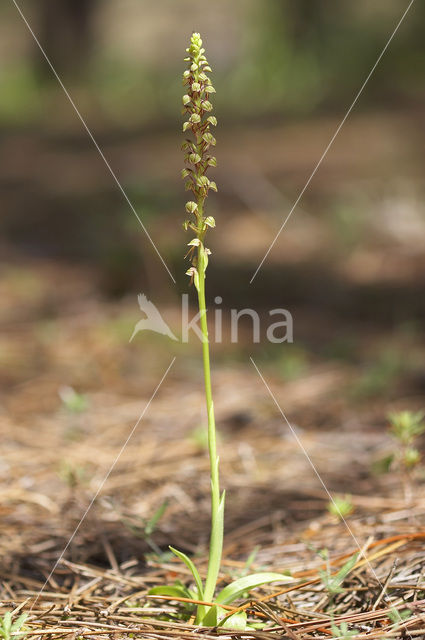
(198, 159)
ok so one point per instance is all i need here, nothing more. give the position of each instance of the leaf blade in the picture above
(235, 589)
(191, 566)
(169, 590)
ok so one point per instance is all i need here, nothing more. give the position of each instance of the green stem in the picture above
(217, 505)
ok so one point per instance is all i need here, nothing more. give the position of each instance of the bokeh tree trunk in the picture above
(66, 32)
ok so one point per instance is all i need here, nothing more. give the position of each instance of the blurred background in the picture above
(349, 265)
(352, 254)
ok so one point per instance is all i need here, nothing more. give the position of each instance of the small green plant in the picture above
(341, 507)
(12, 630)
(343, 632)
(198, 159)
(333, 582)
(405, 428)
(333, 585)
(145, 528)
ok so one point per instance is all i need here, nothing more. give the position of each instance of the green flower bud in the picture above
(209, 138)
(191, 207)
(196, 87)
(209, 221)
(195, 158)
(186, 99)
(202, 181)
(188, 145)
(195, 118)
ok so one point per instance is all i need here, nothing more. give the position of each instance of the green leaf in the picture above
(16, 626)
(210, 619)
(7, 623)
(153, 521)
(170, 590)
(333, 582)
(235, 589)
(237, 621)
(190, 565)
(346, 568)
(216, 547)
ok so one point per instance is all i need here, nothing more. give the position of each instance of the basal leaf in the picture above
(216, 546)
(212, 617)
(170, 590)
(237, 621)
(190, 565)
(235, 589)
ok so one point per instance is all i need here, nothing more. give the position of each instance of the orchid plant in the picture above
(198, 160)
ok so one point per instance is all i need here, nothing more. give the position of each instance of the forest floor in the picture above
(74, 388)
